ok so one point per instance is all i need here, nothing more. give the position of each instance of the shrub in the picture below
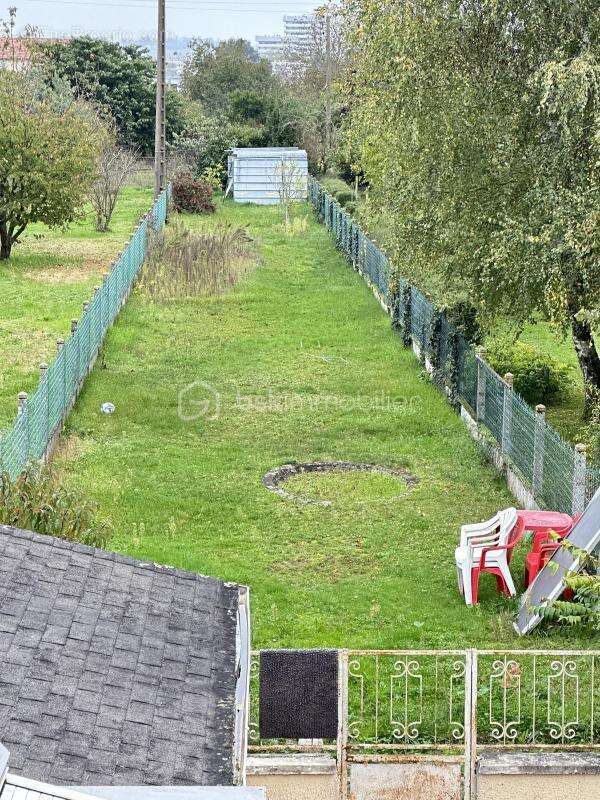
(184, 264)
(114, 166)
(339, 189)
(539, 378)
(36, 501)
(192, 194)
(206, 143)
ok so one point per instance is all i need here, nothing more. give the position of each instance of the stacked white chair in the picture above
(476, 538)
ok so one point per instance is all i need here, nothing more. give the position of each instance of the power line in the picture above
(192, 5)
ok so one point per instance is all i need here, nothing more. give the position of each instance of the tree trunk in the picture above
(5, 241)
(589, 361)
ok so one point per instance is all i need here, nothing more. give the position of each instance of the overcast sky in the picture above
(203, 18)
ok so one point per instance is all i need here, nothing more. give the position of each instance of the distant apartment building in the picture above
(298, 35)
(298, 29)
(271, 47)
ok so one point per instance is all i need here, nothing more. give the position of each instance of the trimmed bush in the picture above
(193, 195)
(539, 378)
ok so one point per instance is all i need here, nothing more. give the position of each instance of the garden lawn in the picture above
(297, 363)
(43, 286)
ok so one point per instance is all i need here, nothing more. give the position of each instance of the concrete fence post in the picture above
(538, 451)
(22, 403)
(509, 380)
(481, 384)
(22, 412)
(579, 478)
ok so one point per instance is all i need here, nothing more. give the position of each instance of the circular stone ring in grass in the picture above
(275, 478)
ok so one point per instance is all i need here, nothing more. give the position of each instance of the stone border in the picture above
(279, 475)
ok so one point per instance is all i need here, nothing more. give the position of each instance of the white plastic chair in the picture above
(495, 533)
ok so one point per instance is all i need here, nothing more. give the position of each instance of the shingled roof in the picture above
(113, 671)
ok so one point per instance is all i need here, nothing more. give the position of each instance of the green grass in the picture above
(43, 286)
(298, 362)
(345, 489)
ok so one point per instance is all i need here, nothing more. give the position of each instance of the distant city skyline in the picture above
(211, 19)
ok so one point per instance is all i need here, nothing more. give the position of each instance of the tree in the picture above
(114, 166)
(215, 72)
(120, 81)
(477, 125)
(48, 148)
(290, 185)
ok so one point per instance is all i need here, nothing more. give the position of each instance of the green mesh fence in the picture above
(44, 411)
(547, 465)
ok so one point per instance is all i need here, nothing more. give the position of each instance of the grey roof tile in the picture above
(113, 671)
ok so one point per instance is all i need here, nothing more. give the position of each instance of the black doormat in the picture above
(298, 696)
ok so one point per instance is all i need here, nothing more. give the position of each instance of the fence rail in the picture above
(438, 700)
(555, 473)
(41, 415)
(453, 705)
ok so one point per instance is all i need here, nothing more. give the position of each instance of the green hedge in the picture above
(539, 378)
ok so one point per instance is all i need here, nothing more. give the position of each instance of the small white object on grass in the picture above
(107, 408)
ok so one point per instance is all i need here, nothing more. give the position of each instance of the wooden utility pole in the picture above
(160, 155)
(328, 80)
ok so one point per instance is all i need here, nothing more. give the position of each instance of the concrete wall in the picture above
(501, 775)
(315, 778)
(297, 787)
(310, 776)
(538, 787)
(421, 781)
(538, 776)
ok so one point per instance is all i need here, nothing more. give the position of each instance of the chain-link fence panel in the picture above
(546, 463)
(43, 412)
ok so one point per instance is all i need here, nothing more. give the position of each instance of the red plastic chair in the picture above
(545, 544)
(513, 540)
